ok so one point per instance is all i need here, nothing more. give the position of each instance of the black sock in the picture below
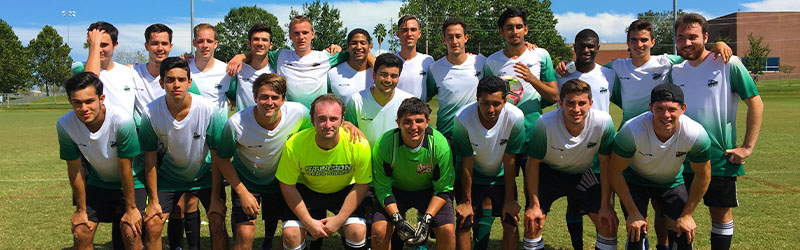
(721, 235)
(270, 225)
(192, 226)
(575, 228)
(317, 244)
(678, 243)
(175, 233)
(662, 247)
(642, 244)
(116, 236)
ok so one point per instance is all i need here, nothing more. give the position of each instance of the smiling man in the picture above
(356, 75)
(600, 78)
(259, 40)
(209, 73)
(414, 77)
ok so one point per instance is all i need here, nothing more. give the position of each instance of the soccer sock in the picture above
(483, 229)
(192, 226)
(299, 247)
(175, 233)
(575, 228)
(355, 245)
(678, 243)
(660, 247)
(605, 243)
(636, 245)
(270, 225)
(533, 244)
(721, 235)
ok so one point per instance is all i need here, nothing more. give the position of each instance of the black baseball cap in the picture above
(666, 92)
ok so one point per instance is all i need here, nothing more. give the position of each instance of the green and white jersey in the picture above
(187, 163)
(712, 91)
(119, 85)
(345, 81)
(456, 86)
(412, 169)
(600, 79)
(556, 147)
(487, 146)
(256, 151)
(655, 163)
(213, 84)
(631, 91)
(244, 85)
(148, 88)
(414, 74)
(306, 77)
(370, 117)
(540, 64)
(115, 139)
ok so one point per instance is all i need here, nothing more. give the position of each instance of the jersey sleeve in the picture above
(447, 176)
(288, 168)
(232, 88)
(227, 141)
(674, 59)
(147, 136)
(127, 139)
(624, 144)
(352, 114)
(68, 150)
(517, 138)
(461, 144)
(363, 165)
(306, 123)
(272, 56)
(214, 130)
(616, 92)
(741, 82)
(547, 73)
(194, 89)
(430, 84)
(609, 65)
(607, 141)
(337, 58)
(487, 71)
(700, 149)
(537, 147)
(381, 182)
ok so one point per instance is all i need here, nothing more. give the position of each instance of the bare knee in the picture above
(381, 235)
(292, 237)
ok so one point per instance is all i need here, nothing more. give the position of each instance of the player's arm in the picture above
(546, 86)
(132, 217)
(430, 85)
(94, 38)
(755, 111)
(149, 144)
(444, 184)
(511, 206)
(287, 174)
(722, 49)
(225, 151)
(606, 214)
(537, 150)
(76, 181)
(464, 207)
(213, 138)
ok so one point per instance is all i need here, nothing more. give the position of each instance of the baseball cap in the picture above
(666, 92)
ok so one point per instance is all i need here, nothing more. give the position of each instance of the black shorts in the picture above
(721, 191)
(168, 200)
(574, 203)
(496, 193)
(108, 205)
(554, 184)
(671, 200)
(318, 203)
(273, 207)
(419, 200)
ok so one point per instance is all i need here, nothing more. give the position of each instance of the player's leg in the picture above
(673, 201)
(175, 226)
(553, 184)
(191, 216)
(244, 226)
(216, 221)
(574, 222)
(660, 226)
(442, 224)
(98, 208)
(720, 198)
(641, 198)
(497, 195)
(587, 197)
(271, 215)
(382, 230)
(130, 238)
(83, 235)
(484, 220)
(293, 235)
(155, 225)
(355, 233)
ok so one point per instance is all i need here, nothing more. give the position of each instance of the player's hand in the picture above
(186, 56)
(738, 154)
(523, 72)
(722, 49)
(531, 46)
(355, 134)
(218, 207)
(332, 224)
(465, 214)
(511, 208)
(80, 218)
(95, 37)
(608, 218)
(250, 204)
(316, 228)
(404, 230)
(133, 218)
(423, 229)
(561, 68)
(152, 211)
(333, 49)
(636, 226)
(685, 225)
(235, 64)
(534, 219)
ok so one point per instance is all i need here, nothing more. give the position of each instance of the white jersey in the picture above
(148, 88)
(600, 79)
(456, 86)
(632, 92)
(655, 163)
(414, 74)
(370, 117)
(345, 81)
(213, 83)
(555, 146)
(305, 76)
(488, 146)
(537, 60)
(119, 86)
(244, 85)
(256, 151)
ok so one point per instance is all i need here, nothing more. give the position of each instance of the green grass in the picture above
(35, 203)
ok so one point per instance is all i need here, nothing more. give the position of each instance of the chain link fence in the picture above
(33, 100)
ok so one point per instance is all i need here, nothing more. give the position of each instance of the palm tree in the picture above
(379, 33)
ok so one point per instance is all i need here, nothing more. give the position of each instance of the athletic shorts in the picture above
(168, 200)
(318, 203)
(574, 206)
(419, 200)
(671, 200)
(497, 193)
(554, 184)
(273, 207)
(721, 190)
(108, 205)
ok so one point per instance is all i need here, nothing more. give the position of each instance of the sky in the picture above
(608, 18)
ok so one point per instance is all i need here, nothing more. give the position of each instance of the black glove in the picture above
(404, 230)
(423, 228)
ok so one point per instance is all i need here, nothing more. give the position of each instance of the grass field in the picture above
(35, 202)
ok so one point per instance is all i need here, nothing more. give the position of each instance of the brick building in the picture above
(781, 31)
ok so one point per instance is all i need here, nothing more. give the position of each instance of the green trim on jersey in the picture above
(338, 58)
(395, 165)
(68, 150)
(547, 74)
(537, 147)
(700, 150)
(231, 93)
(462, 148)
(272, 57)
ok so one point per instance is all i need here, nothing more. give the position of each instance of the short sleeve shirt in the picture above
(306, 77)
(456, 86)
(414, 74)
(244, 85)
(345, 81)
(556, 147)
(119, 86)
(213, 84)
(600, 79)
(370, 117)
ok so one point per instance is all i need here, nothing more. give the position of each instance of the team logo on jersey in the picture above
(424, 168)
(591, 144)
(656, 75)
(113, 144)
(218, 86)
(559, 149)
(679, 154)
(645, 154)
(477, 73)
(127, 88)
(447, 78)
(624, 77)
(529, 65)
(83, 145)
(254, 146)
(603, 90)
(712, 83)
(315, 64)
(196, 136)
(475, 145)
(502, 141)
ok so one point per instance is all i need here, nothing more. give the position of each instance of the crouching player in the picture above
(412, 166)
(647, 163)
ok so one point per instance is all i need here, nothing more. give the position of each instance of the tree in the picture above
(327, 25)
(756, 58)
(232, 31)
(379, 32)
(51, 60)
(131, 57)
(394, 42)
(663, 31)
(14, 61)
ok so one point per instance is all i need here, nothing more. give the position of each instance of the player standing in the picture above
(356, 74)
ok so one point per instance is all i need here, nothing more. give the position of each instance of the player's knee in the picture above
(82, 233)
(291, 236)
(294, 246)
(154, 227)
(355, 232)
(445, 232)
(510, 228)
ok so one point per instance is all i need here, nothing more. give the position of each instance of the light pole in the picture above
(67, 14)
